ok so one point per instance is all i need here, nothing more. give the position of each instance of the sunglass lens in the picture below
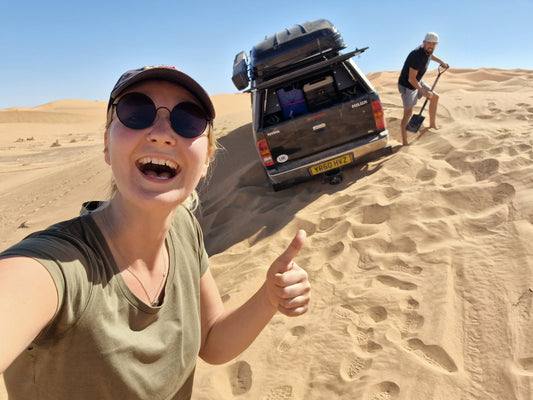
(188, 120)
(136, 111)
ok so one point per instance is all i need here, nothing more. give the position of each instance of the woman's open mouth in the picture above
(157, 167)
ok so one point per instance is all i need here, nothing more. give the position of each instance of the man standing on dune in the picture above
(412, 87)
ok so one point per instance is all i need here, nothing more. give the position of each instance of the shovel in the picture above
(416, 120)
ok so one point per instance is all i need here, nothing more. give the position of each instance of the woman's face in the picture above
(155, 164)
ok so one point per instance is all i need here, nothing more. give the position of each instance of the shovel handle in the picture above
(441, 71)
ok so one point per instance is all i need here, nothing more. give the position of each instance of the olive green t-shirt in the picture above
(103, 342)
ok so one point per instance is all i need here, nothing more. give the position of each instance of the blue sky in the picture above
(54, 50)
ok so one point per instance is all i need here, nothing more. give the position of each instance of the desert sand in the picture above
(421, 262)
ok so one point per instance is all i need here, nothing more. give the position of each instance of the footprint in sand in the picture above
(411, 304)
(377, 313)
(383, 391)
(280, 393)
(344, 312)
(376, 214)
(503, 193)
(372, 316)
(426, 174)
(362, 231)
(327, 223)
(335, 250)
(485, 168)
(484, 116)
(373, 347)
(411, 322)
(291, 338)
(353, 366)
(433, 354)
(402, 266)
(526, 364)
(363, 337)
(240, 376)
(388, 280)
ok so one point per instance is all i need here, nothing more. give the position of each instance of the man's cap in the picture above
(431, 37)
(166, 73)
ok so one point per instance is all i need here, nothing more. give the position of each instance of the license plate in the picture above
(331, 164)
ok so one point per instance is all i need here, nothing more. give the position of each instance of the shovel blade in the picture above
(415, 123)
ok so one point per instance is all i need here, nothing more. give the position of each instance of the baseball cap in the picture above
(166, 73)
(431, 37)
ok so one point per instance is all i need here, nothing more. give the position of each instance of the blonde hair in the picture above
(193, 201)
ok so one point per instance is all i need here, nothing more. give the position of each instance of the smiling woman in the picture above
(126, 286)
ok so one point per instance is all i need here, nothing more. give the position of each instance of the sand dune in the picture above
(421, 262)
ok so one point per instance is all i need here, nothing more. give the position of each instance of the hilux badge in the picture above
(361, 103)
(282, 158)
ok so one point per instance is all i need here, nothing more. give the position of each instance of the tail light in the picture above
(379, 117)
(264, 153)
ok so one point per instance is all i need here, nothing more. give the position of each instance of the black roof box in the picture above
(297, 45)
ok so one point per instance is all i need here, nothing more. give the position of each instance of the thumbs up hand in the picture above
(287, 284)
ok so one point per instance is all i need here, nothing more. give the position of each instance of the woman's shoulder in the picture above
(62, 241)
(183, 215)
(186, 227)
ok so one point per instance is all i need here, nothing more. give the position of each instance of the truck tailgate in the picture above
(314, 132)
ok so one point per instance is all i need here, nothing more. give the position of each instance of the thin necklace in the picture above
(154, 300)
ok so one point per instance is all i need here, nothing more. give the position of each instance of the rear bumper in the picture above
(299, 170)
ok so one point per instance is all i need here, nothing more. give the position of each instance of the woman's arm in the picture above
(226, 334)
(28, 301)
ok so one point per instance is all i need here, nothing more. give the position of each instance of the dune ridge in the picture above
(421, 261)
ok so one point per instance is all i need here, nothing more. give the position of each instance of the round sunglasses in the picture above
(138, 111)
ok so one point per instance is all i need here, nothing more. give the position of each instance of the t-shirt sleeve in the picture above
(413, 61)
(65, 263)
(45, 252)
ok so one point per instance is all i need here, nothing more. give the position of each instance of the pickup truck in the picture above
(314, 112)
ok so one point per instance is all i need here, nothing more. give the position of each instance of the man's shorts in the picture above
(411, 96)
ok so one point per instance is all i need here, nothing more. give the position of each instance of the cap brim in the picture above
(169, 75)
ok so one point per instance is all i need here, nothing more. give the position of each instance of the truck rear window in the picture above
(309, 94)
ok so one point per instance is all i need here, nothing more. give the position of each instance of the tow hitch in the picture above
(333, 177)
